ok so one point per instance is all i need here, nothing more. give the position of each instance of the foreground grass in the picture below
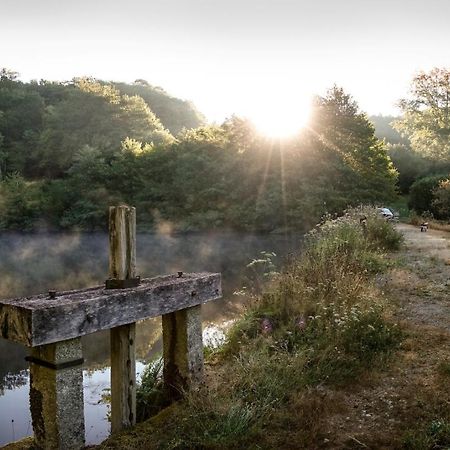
(322, 325)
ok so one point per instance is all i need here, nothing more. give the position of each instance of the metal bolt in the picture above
(52, 293)
(180, 274)
(193, 293)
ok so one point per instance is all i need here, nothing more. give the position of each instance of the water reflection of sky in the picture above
(32, 264)
(16, 419)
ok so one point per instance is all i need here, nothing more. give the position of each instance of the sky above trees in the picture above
(234, 56)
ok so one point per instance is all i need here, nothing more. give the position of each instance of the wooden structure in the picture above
(52, 325)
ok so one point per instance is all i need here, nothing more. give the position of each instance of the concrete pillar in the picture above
(56, 395)
(182, 350)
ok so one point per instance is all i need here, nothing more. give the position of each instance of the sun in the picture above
(281, 119)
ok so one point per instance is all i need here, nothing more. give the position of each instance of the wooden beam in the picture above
(122, 266)
(122, 242)
(39, 319)
(123, 377)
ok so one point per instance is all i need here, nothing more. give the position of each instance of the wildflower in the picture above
(300, 322)
(266, 326)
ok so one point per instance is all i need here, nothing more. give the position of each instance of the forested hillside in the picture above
(68, 150)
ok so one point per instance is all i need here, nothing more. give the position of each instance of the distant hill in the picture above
(174, 113)
(384, 129)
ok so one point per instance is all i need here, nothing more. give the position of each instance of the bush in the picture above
(441, 199)
(422, 192)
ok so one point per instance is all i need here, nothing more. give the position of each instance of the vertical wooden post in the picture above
(182, 350)
(122, 266)
(56, 395)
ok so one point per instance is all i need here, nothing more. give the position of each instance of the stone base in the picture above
(56, 396)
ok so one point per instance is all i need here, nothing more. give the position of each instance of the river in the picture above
(35, 263)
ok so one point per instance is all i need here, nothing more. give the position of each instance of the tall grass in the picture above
(322, 320)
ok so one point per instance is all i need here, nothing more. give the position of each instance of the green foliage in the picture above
(422, 194)
(19, 203)
(441, 199)
(91, 144)
(149, 393)
(410, 165)
(174, 114)
(381, 234)
(426, 114)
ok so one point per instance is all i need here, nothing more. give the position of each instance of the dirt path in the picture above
(422, 282)
(396, 408)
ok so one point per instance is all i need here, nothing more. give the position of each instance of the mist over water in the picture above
(35, 263)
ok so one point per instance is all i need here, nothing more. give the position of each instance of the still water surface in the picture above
(31, 264)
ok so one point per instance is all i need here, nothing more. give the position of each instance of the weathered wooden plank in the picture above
(122, 266)
(123, 377)
(39, 320)
(122, 242)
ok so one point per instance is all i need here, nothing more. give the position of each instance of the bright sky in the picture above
(232, 56)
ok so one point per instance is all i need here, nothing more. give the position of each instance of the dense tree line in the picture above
(68, 150)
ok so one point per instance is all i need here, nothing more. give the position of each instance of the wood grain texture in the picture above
(123, 377)
(122, 266)
(39, 320)
(122, 242)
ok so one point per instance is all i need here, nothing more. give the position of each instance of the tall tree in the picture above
(426, 114)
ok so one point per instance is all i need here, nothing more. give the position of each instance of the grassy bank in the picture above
(321, 325)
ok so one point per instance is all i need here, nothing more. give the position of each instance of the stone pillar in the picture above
(56, 395)
(182, 350)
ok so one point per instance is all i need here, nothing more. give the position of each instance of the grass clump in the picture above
(436, 435)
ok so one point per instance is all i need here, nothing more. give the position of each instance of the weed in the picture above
(149, 394)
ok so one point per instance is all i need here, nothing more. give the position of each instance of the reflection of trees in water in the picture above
(12, 359)
(148, 343)
(13, 380)
(34, 263)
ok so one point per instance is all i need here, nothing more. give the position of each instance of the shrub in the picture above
(421, 194)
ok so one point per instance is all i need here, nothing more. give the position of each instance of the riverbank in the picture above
(323, 329)
(402, 403)
(276, 385)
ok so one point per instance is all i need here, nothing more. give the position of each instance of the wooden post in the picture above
(122, 266)
(56, 395)
(182, 350)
